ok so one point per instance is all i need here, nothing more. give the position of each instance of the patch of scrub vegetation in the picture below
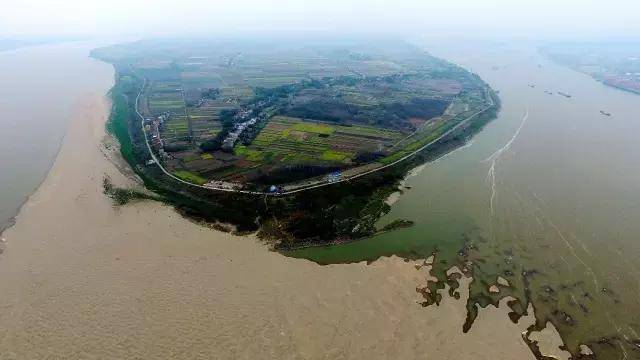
(397, 224)
(123, 196)
(118, 124)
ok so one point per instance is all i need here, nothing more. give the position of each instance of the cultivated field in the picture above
(292, 140)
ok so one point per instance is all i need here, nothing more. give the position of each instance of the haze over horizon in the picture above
(531, 18)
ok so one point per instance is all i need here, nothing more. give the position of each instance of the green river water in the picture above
(547, 196)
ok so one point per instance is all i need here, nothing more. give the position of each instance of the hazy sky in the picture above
(161, 17)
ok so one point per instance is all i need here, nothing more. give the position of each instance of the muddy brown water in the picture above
(550, 189)
(40, 86)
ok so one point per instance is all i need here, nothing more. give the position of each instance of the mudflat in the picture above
(82, 279)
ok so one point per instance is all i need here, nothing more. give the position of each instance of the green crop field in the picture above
(331, 155)
(190, 177)
(293, 140)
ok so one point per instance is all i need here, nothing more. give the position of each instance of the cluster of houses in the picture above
(230, 140)
(219, 184)
(244, 119)
(152, 127)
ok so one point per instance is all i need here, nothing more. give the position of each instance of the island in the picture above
(301, 140)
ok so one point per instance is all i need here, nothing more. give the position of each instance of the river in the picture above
(547, 196)
(40, 86)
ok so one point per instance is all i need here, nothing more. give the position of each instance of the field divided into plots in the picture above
(204, 118)
(165, 97)
(293, 140)
(337, 105)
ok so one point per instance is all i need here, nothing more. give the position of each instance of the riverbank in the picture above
(82, 278)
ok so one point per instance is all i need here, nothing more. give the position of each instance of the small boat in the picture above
(532, 86)
(605, 113)
(564, 94)
(548, 92)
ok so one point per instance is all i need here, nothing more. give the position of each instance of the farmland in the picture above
(263, 113)
(289, 141)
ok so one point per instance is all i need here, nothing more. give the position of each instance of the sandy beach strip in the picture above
(82, 279)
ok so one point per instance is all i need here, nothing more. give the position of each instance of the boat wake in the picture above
(491, 174)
